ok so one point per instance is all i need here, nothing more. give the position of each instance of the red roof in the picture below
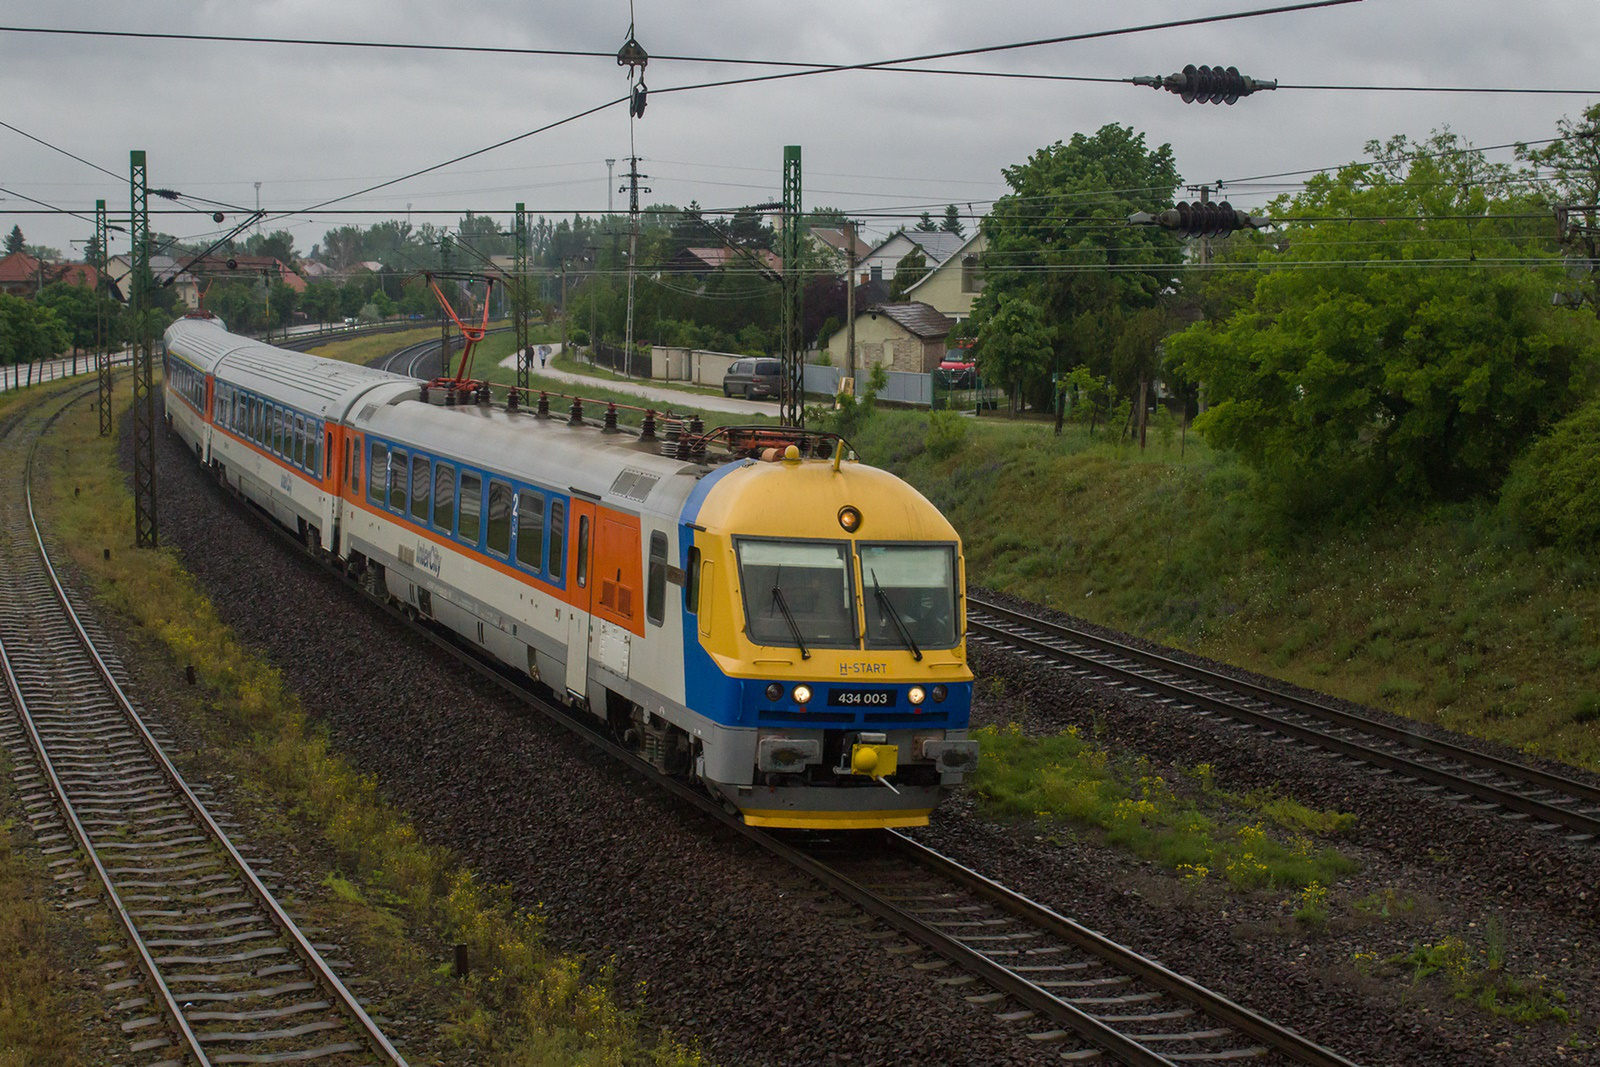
(19, 270)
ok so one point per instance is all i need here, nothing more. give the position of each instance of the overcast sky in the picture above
(311, 123)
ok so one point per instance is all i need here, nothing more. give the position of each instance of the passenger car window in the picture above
(656, 592)
(471, 506)
(444, 497)
(397, 480)
(499, 517)
(421, 486)
(583, 550)
(691, 588)
(277, 430)
(558, 539)
(299, 441)
(377, 478)
(530, 529)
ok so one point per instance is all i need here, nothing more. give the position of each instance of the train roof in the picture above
(616, 468)
(322, 386)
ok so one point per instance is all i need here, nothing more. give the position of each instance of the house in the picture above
(954, 285)
(703, 261)
(831, 248)
(24, 275)
(247, 268)
(313, 271)
(936, 246)
(166, 271)
(908, 336)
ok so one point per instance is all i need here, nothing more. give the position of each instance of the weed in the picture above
(1385, 904)
(1068, 778)
(1312, 909)
(1477, 975)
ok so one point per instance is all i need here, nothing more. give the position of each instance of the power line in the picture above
(63, 151)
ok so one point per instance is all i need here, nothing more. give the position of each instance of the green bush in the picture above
(947, 432)
(1552, 491)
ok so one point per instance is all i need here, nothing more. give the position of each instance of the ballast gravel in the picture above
(724, 947)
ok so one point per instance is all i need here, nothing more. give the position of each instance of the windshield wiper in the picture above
(794, 627)
(894, 617)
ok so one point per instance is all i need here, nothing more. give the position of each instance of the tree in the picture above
(952, 221)
(281, 303)
(75, 307)
(279, 244)
(912, 268)
(926, 224)
(1015, 346)
(29, 331)
(1355, 374)
(1574, 160)
(45, 253)
(1060, 240)
(320, 302)
(15, 242)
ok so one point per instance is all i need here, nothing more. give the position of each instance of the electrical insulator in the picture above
(638, 99)
(1199, 219)
(1208, 85)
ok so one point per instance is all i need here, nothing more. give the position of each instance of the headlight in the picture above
(916, 695)
(939, 693)
(774, 691)
(802, 694)
(849, 519)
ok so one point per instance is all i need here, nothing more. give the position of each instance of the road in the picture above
(668, 398)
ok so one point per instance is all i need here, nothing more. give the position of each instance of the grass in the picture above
(574, 366)
(1476, 973)
(523, 1002)
(367, 349)
(1066, 779)
(1445, 615)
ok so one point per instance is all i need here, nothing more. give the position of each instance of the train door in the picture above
(207, 419)
(580, 587)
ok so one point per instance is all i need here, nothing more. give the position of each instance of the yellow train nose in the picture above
(877, 761)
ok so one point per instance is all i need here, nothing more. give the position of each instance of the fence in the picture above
(615, 357)
(22, 375)
(902, 387)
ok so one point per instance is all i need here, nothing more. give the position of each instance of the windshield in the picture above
(798, 594)
(916, 583)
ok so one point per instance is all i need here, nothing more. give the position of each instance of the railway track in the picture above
(1083, 997)
(1549, 802)
(227, 974)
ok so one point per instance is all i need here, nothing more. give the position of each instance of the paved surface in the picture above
(673, 398)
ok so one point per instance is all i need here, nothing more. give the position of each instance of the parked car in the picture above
(958, 374)
(753, 377)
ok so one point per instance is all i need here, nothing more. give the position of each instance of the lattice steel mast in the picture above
(519, 300)
(102, 328)
(144, 398)
(792, 394)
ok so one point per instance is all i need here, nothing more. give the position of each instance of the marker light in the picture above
(774, 691)
(849, 519)
(802, 694)
(938, 693)
(916, 695)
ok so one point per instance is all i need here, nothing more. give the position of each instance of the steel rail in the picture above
(308, 953)
(1119, 1046)
(1555, 814)
(1272, 695)
(1214, 1004)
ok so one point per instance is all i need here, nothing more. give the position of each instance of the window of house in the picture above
(530, 529)
(444, 497)
(499, 538)
(471, 507)
(655, 603)
(558, 539)
(421, 486)
(971, 276)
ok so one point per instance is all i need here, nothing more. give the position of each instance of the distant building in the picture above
(832, 248)
(954, 284)
(313, 271)
(907, 336)
(703, 261)
(166, 271)
(24, 275)
(937, 247)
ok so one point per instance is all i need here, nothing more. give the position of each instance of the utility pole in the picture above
(258, 209)
(633, 252)
(444, 316)
(594, 272)
(519, 300)
(850, 302)
(102, 339)
(1205, 242)
(144, 400)
(564, 331)
(611, 183)
(791, 387)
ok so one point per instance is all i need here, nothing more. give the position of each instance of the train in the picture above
(752, 609)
